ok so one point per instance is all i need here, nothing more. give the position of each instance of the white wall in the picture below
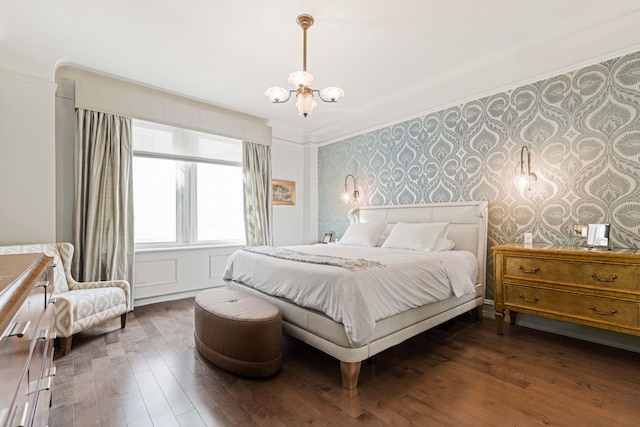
(27, 165)
(65, 134)
(287, 161)
(310, 231)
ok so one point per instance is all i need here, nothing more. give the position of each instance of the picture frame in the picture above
(283, 192)
(327, 238)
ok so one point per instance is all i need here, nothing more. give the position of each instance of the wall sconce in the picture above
(346, 196)
(525, 177)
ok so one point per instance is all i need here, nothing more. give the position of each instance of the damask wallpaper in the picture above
(583, 132)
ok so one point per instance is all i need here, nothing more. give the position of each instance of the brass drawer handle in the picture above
(595, 277)
(603, 313)
(534, 271)
(535, 300)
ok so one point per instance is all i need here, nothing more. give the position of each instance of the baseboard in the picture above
(567, 329)
(169, 297)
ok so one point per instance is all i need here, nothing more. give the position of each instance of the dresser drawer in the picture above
(596, 275)
(15, 348)
(610, 311)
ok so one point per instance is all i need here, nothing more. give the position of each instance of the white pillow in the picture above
(387, 229)
(418, 236)
(362, 233)
(444, 245)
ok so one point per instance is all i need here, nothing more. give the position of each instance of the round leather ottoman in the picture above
(238, 332)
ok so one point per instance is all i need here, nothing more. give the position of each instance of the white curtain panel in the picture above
(256, 164)
(103, 205)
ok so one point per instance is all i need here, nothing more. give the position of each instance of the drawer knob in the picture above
(594, 276)
(603, 313)
(534, 271)
(535, 300)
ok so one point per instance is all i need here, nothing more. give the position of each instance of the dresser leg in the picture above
(500, 322)
(513, 315)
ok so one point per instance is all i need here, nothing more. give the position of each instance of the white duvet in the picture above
(358, 299)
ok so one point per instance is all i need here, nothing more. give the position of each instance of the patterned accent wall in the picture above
(583, 131)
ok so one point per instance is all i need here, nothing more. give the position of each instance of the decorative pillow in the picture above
(362, 233)
(444, 245)
(417, 236)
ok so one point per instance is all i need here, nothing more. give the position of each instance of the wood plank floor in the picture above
(150, 374)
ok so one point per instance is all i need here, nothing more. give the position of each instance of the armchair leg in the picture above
(65, 345)
(123, 321)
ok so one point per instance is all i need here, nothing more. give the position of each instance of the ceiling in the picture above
(394, 59)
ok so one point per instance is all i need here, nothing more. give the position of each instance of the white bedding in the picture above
(358, 299)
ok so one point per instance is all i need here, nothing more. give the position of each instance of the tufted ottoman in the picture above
(238, 332)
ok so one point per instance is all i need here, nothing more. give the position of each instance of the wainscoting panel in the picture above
(156, 272)
(181, 271)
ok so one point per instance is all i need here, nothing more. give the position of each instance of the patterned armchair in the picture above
(79, 305)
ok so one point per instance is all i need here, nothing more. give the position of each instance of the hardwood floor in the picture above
(465, 375)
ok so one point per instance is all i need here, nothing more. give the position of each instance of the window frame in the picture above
(186, 193)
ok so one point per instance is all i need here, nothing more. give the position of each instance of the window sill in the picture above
(187, 248)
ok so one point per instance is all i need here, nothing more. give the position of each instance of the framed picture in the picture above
(327, 238)
(283, 192)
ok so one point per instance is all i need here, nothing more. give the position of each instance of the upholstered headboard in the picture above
(467, 223)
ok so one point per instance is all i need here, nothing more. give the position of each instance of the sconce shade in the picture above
(346, 197)
(525, 178)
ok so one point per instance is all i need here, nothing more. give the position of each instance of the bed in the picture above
(336, 332)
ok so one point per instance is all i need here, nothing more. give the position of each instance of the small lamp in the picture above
(525, 177)
(346, 196)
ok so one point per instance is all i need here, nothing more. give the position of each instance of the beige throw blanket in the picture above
(349, 264)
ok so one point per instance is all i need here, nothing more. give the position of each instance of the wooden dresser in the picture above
(599, 288)
(26, 343)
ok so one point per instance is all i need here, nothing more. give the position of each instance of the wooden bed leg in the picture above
(123, 321)
(477, 313)
(350, 372)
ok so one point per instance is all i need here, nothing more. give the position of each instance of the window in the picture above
(187, 187)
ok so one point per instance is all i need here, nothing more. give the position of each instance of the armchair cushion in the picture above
(80, 309)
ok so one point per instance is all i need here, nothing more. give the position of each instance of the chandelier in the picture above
(302, 80)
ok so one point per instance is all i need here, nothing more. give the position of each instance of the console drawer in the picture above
(610, 311)
(591, 274)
